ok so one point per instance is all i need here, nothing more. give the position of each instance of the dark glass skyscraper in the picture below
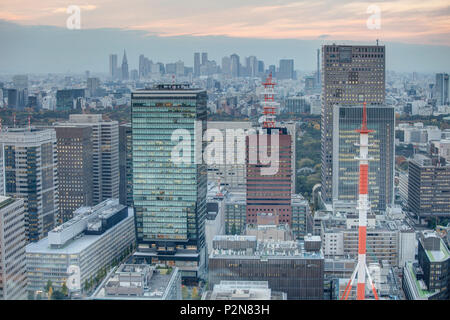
(381, 119)
(169, 198)
(350, 75)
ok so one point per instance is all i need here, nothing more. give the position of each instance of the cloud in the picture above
(414, 21)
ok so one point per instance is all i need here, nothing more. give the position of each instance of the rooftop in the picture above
(74, 246)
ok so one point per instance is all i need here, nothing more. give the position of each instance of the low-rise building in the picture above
(288, 266)
(140, 281)
(93, 240)
(243, 290)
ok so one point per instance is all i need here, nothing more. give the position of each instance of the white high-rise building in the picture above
(31, 173)
(12, 249)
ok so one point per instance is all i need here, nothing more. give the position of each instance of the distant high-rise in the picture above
(286, 70)
(66, 98)
(235, 66)
(31, 173)
(441, 88)
(93, 85)
(204, 58)
(113, 66)
(74, 145)
(350, 75)
(169, 198)
(381, 119)
(105, 148)
(125, 74)
(196, 64)
(12, 254)
(226, 65)
(126, 165)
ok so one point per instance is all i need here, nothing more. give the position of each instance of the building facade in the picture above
(428, 188)
(105, 154)
(269, 193)
(31, 173)
(286, 265)
(350, 75)
(13, 277)
(74, 147)
(170, 196)
(380, 119)
(95, 238)
(126, 165)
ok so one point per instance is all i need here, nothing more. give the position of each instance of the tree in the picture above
(48, 286)
(64, 289)
(184, 292)
(195, 295)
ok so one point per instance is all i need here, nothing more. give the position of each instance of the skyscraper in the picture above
(12, 254)
(286, 70)
(126, 164)
(105, 149)
(204, 58)
(31, 173)
(269, 193)
(235, 66)
(196, 64)
(441, 88)
(380, 119)
(169, 197)
(125, 74)
(113, 66)
(93, 85)
(74, 145)
(350, 75)
(226, 65)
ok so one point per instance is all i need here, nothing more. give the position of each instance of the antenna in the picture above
(29, 122)
(363, 208)
(269, 104)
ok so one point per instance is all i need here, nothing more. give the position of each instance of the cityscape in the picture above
(226, 176)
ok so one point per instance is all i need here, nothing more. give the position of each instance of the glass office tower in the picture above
(169, 198)
(381, 119)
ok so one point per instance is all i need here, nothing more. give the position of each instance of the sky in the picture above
(35, 37)
(408, 21)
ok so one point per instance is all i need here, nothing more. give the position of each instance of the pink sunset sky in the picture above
(409, 21)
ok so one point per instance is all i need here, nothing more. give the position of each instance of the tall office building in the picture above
(31, 173)
(428, 187)
(113, 65)
(350, 75)
(235, 66)
(74, 146)
(93, 85)
(441, 88)
(270, 193)
(12, 249)
(346, 120)
(286, 70)
(226, 65)
(196, 64)
(126, 164)
(125, 74)
(169, 197)
(204, 58)
(105, 149)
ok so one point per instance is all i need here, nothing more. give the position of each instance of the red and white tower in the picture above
(269, 104)
(361, 269)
